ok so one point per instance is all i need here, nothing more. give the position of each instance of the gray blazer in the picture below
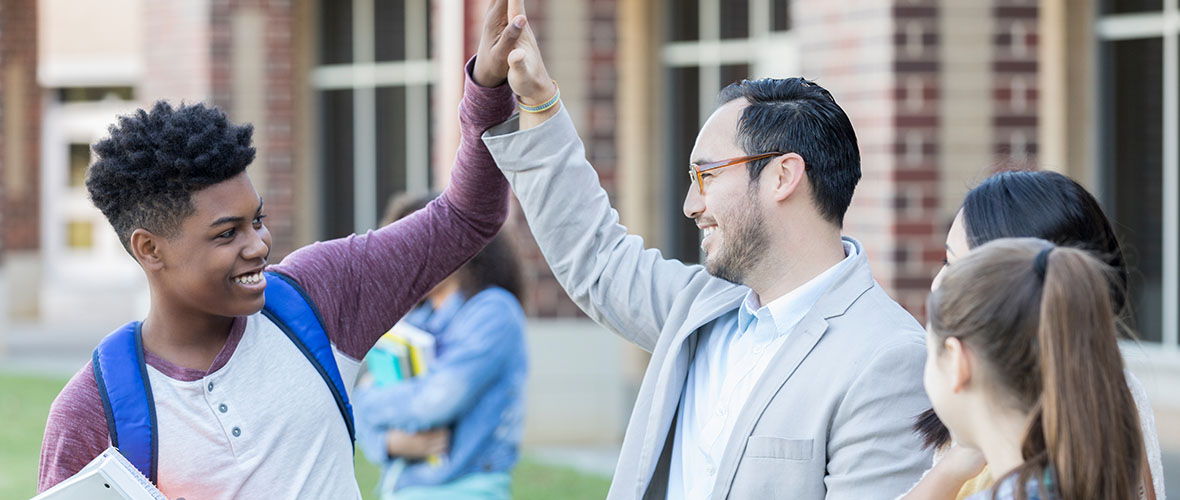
(830, 418)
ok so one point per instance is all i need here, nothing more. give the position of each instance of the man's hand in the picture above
(528, 77)
(502, 27)
(419, 445)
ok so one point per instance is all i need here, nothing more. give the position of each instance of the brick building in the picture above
(355, 100)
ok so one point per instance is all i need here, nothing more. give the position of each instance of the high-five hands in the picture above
(508, 50)
(498, 39)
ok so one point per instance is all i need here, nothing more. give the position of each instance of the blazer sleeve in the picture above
(606, 271)
(873, 451)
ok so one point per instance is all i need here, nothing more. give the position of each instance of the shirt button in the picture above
(237, 432)
(757, 351)
(223, 408)
(710, 470)
(719, 411)
(210, 386)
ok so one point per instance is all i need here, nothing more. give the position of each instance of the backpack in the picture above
(121, 372)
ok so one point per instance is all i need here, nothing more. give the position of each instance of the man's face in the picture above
(729, 215)
(214, 265)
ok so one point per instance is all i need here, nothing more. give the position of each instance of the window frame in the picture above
(364, 75)
(1164, 24)
(763, 51)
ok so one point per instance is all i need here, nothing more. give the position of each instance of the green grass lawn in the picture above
(24, 404)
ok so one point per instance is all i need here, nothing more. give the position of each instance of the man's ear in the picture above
(145, 247)
(961, 363)
(786, 174)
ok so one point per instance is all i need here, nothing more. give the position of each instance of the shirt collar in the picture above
(786, 311)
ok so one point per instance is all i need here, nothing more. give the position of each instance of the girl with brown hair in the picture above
(1023, 364)
(1052, 207)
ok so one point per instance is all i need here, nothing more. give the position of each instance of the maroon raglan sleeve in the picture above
(362, 284)
(75, 432)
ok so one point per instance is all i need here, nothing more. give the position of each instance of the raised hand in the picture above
(526, 69)
(498, 39)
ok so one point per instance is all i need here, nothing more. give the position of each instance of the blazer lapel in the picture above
(674, 366)
(851, 285)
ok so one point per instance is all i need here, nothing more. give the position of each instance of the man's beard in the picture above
(743, 248)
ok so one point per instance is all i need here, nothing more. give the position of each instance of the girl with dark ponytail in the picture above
(1053, 207)
(1023, 364)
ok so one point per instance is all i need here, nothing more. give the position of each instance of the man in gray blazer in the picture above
(780, 368)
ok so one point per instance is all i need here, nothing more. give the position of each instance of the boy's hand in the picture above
(418, 445)
(502, 27)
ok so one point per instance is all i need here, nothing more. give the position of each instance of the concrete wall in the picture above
(578, 392)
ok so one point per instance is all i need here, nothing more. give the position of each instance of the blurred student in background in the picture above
(1023, 364)
(1055, 208)
(467, 409)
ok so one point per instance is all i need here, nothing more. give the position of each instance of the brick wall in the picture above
(1015, 96)
(276, 136)
(918, 233)
(20, 127)
(176, 51)
(882, 61)
(851, 48)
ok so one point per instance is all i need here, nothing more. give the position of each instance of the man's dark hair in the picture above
(795, 115)
(152, 163)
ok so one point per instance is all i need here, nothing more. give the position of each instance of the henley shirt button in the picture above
(223, 408)
(237, 432)
(210, 386)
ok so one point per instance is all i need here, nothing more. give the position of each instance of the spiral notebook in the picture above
(108, 477)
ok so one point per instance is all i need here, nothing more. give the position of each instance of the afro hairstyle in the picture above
(152, 163)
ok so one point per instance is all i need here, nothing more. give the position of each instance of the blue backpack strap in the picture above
(289, 307)
(123, 384)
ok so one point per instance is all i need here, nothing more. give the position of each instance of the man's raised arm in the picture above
(605, 271)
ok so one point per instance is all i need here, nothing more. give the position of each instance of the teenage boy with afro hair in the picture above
(240, 411)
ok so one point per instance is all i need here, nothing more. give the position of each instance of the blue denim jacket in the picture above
(475, 386)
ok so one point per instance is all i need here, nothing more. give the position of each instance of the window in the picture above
(79, 235)
(708, 45)
(79, 163)
(90, 94)
(1138, 98)
(374, 81)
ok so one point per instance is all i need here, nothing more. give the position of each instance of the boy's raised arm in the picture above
(363, 283)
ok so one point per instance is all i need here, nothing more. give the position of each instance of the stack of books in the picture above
(405, 351)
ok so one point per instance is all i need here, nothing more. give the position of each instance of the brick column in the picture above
(20, 141)
(1015, 80)
(918, 245)
(20, 159)
(880, 60)
(252, 56)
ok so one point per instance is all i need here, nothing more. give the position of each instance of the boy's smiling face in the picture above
(214, 263)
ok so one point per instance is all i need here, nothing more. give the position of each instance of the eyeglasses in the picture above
(694, 173)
